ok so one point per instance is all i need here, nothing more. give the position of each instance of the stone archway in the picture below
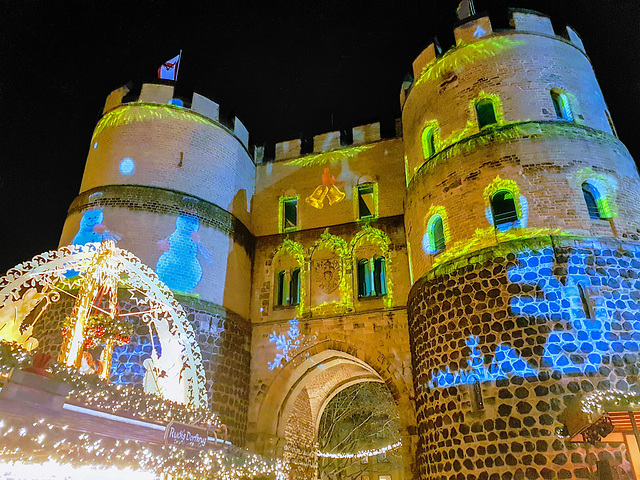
(286, 420)
(42, 275)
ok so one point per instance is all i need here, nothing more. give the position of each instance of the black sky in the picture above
(284, 68)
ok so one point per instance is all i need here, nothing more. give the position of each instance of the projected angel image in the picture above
(178, 267)
(328, 189)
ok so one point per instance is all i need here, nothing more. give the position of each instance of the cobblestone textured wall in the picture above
(224, 339)
(301, 436)
(516, 321)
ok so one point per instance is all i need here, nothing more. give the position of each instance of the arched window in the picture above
(435, 231)
(428, 143)
(561, 106)
(294, 287)
(486, 113)
(503, 208)
(591, 195)
(281, 288)
(372, 277)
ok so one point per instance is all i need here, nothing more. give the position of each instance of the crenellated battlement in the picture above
(478, 28)
(159, 93)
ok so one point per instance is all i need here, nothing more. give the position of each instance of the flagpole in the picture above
(178, 67)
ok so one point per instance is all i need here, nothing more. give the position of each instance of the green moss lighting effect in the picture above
(442, 212)
(607, 188)
(463, 54)
(289, 247)
(143, 112)
(430, 138)
(333, 156)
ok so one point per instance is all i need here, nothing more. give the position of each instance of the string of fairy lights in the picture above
(594, 402)
(362, 453)
(34, 443)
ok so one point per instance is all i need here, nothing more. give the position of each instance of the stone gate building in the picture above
(482, 264)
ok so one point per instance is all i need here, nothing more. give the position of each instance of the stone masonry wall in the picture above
(513, 321)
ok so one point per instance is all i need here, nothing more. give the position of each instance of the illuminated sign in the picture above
(187, 436)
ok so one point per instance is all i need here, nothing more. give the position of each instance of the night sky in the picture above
(285, 69)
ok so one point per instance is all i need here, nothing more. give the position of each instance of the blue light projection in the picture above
(521, 222)
(178, 267)
(286, 343)
(92, 230)
(590, 304)
(127, 166)
(506, 361)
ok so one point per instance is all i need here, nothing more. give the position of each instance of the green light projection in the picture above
(281, 208)
(500, 184)
(332, 156)
(141, 112)
(356, 204)
(607, 188)
(456, 143)
(463, 54)
(428, 242)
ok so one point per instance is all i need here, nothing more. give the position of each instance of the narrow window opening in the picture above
(364, 278)
(380, 276)
(586, 303)
(486, 112)
(428, 143)
(281, 294)
(591, 196)
(294, 287)
(611, 125)
(561, 106)
(477, 400)
(290, 214)
(436, 234)
(366, 201)
(503, 208)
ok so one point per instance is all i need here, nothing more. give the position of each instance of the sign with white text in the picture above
(187, 436)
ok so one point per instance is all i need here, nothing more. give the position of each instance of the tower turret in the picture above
(171, 182)
(519, 193)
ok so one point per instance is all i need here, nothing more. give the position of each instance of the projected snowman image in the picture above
(178, 267)
(92, 229)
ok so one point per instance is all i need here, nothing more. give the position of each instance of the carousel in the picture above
(63, 418)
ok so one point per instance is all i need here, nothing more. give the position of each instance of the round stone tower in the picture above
(522, 219)
(169, 181)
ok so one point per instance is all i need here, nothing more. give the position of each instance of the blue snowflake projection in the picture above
(589, 301)
(286, 343)
(506, 361)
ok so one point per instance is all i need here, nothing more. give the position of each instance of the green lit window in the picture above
(287, 288)
(561, 106)
(366, 201)
(503, 208)
(289, 214)
(591, 195)
(428, 143)
(486, 112)
(372, 277)
(435, 229)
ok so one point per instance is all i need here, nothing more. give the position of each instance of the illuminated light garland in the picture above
(594, 402)
(380, 239)
(26, 444)
(362, 454)
(56, 471)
